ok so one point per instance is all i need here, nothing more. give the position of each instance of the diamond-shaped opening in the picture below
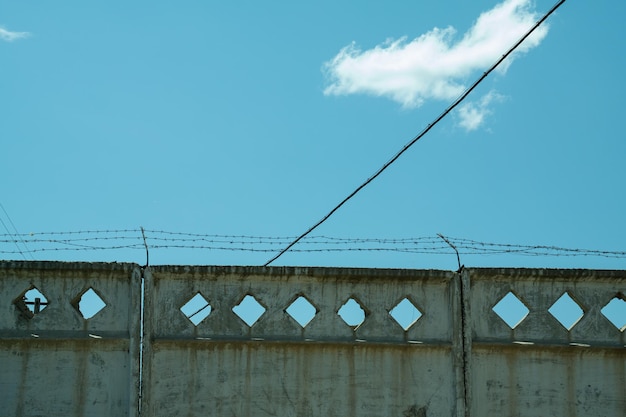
(196, 309)
(302, 311)
(405, 313)
(88, 303)
(511, 310)
(249, 310)
(352, 313)
(31, 302)
(566, 311)
(615, 312)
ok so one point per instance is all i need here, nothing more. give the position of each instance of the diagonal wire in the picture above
(422, 133)
(17, 234)
(12, 239)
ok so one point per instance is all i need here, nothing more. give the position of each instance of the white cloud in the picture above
(472, 114)
(434, 65)
(9, 36)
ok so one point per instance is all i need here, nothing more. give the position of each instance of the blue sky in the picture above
(249, 118)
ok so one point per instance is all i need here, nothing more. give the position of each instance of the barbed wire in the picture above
(132, 239)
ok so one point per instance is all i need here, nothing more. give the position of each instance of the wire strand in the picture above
(108, 240)
(421, 134)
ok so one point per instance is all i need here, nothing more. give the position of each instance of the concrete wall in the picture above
(57, 363)
(223, 367)
(458, 359)
(541, 368)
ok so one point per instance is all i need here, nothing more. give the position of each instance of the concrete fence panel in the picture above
(96, 339)
(53, 360)
(224, 366)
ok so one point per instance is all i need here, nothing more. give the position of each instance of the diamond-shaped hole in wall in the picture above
(405, 313)
(302, 311)
(566, 311)
(352, 313)
(196, 309)
(511, 310)
(88, 303)
(249, 310)
(615, 312)
(31, 302)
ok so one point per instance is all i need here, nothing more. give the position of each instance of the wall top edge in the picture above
(316, 271)
(68, 266)
(551, 273)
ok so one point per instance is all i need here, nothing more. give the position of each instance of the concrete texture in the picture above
(458, 359)
(223, 367)
(56, 363)
(541, 368)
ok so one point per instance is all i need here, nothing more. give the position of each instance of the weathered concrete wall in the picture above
(539, 367)
(223, 367)
(458, 359)
(56, 363)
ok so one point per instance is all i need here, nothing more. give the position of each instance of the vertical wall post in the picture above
(462, 341)
(466, 320)
(146, 340)
(135, 341)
